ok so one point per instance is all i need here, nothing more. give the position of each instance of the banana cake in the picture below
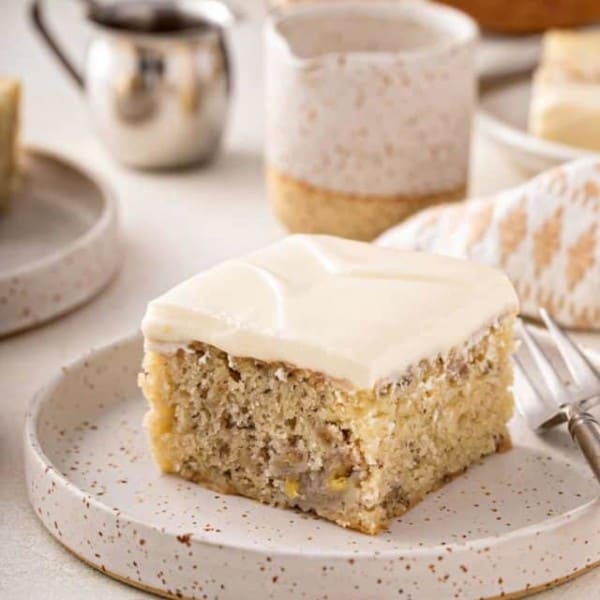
(9, 129)
(330, 375)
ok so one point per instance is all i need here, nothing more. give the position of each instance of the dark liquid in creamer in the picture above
(147, 17)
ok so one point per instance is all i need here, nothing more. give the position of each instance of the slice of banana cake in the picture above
(330, 375)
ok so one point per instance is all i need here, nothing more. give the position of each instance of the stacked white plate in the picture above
(58, 242)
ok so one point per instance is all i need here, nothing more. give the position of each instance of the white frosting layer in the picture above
(371, 98)
(351, 310)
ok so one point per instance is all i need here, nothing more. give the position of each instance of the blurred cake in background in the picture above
(565, 104)
(10, 93)
(528, 16)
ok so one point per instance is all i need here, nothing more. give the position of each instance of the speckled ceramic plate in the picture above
(521, 521)
(503, 116)
(58, 242)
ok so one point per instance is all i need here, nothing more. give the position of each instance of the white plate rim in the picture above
(105, 226)
(514, 138)
(492, 51)
(108, 216)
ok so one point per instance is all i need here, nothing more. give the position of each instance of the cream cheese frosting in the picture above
(351, 310)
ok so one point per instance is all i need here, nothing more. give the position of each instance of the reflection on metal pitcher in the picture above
(157, 78)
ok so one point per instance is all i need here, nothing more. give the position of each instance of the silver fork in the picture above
(546, 401)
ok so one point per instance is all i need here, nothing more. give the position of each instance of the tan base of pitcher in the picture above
(303, 208)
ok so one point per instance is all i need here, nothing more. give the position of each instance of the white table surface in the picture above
(173, 225)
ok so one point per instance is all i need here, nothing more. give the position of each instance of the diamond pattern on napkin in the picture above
(545, 234)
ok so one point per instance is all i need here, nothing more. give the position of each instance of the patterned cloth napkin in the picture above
(545, 235)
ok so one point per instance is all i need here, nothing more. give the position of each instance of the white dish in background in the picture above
(58, 242)
(503, 115)
(521, 521)
(503, 55)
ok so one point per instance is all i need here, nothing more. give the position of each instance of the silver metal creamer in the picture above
(157, 78)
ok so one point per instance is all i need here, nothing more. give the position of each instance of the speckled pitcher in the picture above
(369, 109)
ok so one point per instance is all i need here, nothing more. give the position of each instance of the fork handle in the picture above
(585, 430)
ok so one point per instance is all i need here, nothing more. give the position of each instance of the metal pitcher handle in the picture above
(37, 17)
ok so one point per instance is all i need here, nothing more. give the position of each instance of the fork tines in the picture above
(581, 369)
(545, 390)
